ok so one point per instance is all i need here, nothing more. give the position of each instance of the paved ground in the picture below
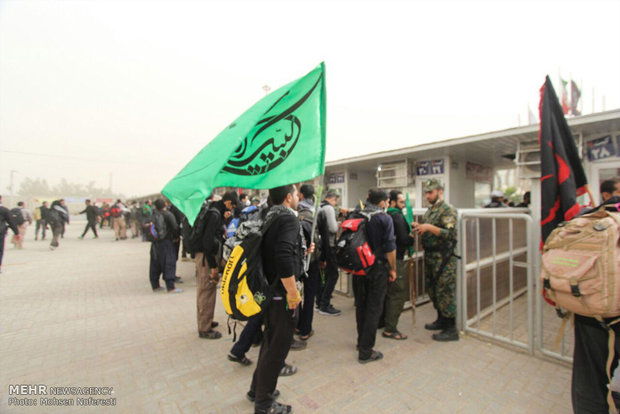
(84, 315)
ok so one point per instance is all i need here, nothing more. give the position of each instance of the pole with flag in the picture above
(278, 141)
(411, 261)
(562, 176)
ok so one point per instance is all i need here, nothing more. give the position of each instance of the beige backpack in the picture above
(581, 273)
(581, 265)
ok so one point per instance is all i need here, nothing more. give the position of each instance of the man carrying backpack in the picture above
(22, 219)
(370, 289)
(328, 228)
(398, 290)
(438, 232)
(6, 221)
(282, 256)
(117, 212)
(163, 259)
(207, 241)
(56, 217)
(590, 383)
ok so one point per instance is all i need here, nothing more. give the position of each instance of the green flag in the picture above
(409, 215)
(409, 219)
(278, 141)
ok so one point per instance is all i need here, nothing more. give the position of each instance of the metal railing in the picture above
(494, 286)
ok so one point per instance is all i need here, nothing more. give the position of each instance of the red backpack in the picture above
(115, 211)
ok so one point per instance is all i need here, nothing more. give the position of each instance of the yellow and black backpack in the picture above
(245, 290)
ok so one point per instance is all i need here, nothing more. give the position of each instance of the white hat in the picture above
(497, 193)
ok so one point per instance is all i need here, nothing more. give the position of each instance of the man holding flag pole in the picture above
(278, 141)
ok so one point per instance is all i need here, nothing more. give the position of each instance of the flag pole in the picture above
(317, 201)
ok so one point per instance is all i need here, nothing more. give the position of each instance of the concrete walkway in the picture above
(85, 316)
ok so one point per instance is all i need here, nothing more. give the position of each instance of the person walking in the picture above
(117, 213)
(56, 217)
(6, 222)
(91, 219)
(40, 223)
(23, 219)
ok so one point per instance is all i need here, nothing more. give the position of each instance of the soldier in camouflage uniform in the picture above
(438, 236)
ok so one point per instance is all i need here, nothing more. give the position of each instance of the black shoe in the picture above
(251, 395)
(435, 326)
(329, 310)
(374, 356)
(241, 360)
(210, 334)
(276, 408)
(177, 280)
(448, 334)
(215, 324)
(298, 345)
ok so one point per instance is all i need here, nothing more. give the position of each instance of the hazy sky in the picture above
(133, 89)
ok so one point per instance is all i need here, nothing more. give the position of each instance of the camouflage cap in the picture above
(432, 184)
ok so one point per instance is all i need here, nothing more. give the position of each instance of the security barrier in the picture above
(496, 278)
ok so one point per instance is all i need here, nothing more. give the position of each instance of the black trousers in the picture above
(92, 226)
(246, 338)
(589, 386)
(331, 278)
(163, 261)
(279, 328)
(2, 237)
(369, 292)
(311, 288)
(40, 225)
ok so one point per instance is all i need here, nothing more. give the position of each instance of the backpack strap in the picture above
(611, 343)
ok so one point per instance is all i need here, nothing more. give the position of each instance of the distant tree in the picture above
(36, 187)
(40, 188)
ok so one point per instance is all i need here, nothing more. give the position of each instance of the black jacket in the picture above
(172, 227)
(212, 234)
(6, 221)
(401, 233)
(91, 213)
(281, 251)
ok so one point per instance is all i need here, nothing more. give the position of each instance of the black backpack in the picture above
(353, 253)
(197, 230)
(18, 217)
(155, 228)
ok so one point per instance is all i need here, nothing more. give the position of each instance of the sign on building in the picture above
(478, 172)
(601, 148)
(337, 178)
(431, 167)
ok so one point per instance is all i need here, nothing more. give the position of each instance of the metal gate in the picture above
(498, 289)
(496, 276)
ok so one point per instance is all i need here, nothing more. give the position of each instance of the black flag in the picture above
(562, 177)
